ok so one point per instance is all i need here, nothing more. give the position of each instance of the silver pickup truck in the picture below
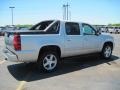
(48, 41)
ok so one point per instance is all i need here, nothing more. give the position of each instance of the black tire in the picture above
(116, 32)
(104, 51)
(42, 61)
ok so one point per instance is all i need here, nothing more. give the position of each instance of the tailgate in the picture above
(9, 41)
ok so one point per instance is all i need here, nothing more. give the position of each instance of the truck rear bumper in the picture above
(10, 56)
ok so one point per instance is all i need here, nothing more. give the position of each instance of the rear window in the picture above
(54, 29)
(41, 26)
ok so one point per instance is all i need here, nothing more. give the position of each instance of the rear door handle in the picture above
(68, 40)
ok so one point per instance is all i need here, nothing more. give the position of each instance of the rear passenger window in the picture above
(72, 28)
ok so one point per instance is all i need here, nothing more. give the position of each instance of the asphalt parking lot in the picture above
(83, 73)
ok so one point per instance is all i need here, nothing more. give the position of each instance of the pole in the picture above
(63, 12)
(12, 13)
(67, 10)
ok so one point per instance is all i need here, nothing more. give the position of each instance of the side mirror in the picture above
(98, 32)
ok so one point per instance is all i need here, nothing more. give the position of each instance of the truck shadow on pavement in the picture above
(29, 72)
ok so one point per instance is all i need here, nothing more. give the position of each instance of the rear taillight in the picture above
(17, 42)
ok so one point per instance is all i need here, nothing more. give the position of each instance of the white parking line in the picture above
(22, 83)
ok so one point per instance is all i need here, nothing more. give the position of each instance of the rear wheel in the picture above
(48, 61)
(107, 51)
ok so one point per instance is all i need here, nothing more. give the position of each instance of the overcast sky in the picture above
(33, 11)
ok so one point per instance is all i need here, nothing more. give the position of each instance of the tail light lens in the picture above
(17, 42)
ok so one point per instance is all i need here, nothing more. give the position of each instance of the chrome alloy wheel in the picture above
(107, 51)
(49, 62)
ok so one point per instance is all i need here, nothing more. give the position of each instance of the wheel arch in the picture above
(108, 43)
(49, 48)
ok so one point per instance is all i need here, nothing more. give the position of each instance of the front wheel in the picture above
(48, 61)
(106, 51)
